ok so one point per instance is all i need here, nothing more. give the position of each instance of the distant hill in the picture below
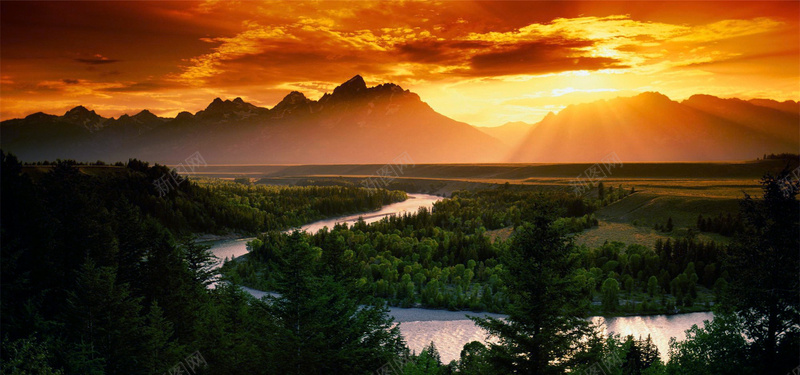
(651, 127)
(511, 133)
(353, 124)
(789, 106)
(356, 124)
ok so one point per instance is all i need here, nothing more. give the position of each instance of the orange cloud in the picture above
(470, 60)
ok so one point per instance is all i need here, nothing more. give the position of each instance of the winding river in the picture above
(450, 330)
(232, 248)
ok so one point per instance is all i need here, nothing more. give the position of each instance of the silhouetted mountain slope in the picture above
(511, 133)
(360, 124)
(790, 106)
(770, 120)
(651, 127)
(353, 124)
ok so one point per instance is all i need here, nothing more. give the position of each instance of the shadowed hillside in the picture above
(651, 127)
(353, 124)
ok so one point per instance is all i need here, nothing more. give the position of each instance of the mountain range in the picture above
(360, 124)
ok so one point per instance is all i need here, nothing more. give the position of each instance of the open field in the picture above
(717, 180)
(699, 170)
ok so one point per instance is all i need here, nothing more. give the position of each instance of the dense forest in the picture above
(443, 258)
(101, 275)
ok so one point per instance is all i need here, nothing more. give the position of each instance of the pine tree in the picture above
(610, 290)
(544, 326)
(319, 326)
(200, 260)
(760, 261)
(427, 362)
(159, 349)
(27, 356)
(104, 316)
(652, 286)
(601, 191)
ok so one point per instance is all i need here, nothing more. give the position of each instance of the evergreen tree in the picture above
(473, 360)
(652, 286)
(27, 357)
(640, 355)
(610, 290)
(235, 333)
(200, 260)
(718, 348)
(106, 318)
(427, 362)
(159, 349)
(760, 260)
(319, 326)
(544, 330)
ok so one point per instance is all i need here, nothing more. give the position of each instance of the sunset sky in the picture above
(485, 63)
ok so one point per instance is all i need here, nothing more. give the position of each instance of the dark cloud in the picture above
(137, 87)
(96, 61)
(484, 58)
(70, 81)
(438, 51)
(539, 57)
(789, 53)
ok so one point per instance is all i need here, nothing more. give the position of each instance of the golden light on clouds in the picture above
(485, 63)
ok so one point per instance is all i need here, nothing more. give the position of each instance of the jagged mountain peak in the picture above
(217, 103)
(652, 96)
(238, 102)
(294, 97)
(356, 81)
(79, 111)
(700, 99)
(353, 87)
(292, 102)
(184, 116)
(39, 116)
(84, 117)
(219, 108)
(789, 106)
(145, 115)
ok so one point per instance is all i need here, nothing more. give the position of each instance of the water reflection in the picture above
(410, 205)
(450, 336)
(233, 248)
(660, 327)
